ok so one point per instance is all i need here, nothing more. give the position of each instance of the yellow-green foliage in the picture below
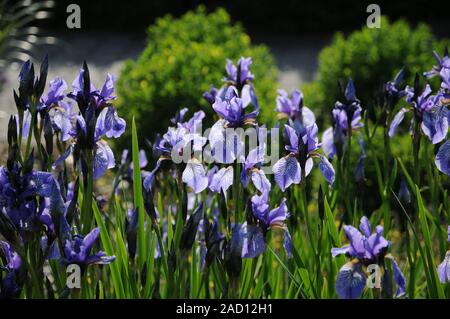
(370, 57)
(183, 58)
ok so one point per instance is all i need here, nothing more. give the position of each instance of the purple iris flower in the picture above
(240, 74)
(101, 97)
(253, 234)
(443, 64)
(17, 192)
(194, 124)
(225, 143)
(9, 286)
(302, 143)
(435, 123)
(231, 108)
(55, 93)
(179, 116)
(251, 170)
(78, 250)
(185, 133)
(26, 123)
(108, 124)
(346, 117)
(104, 156)
(97, 111)
(442, 159)
(222, 180)
(434, 115)
(210, 96)
(363, 245)
(78, 84)
(13, 260)
(53, 212)
(63, 118)
(392, 88)
(351, 108)
(368, 248)
(194, 176)
(350, 281)
(292, 107)
(104, 159)
(443, 269)
(425, 101)
(176, 139)
(175, 142)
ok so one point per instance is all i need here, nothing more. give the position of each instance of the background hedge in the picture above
(183, 58)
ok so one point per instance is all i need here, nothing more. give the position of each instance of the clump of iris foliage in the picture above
(226, 229)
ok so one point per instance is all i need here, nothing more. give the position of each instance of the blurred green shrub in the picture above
(370, 57)
(183, 58)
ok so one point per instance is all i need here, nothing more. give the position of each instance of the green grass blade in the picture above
(137, 196)
(333, 231)
(436, 287)
(107, 245)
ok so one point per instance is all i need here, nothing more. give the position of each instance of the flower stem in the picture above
(309, 228)
(346, 179)
(416, 149)
(387, 173)
(87, 195)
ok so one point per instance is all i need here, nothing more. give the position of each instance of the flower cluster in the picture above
(38, 208)
(208, 194)
(346, 118)
(233, 168)
(430, 111)
(366, 248)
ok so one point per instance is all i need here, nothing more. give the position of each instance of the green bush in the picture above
(183, 58)
(370, 57)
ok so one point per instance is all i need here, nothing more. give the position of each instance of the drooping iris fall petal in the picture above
(194, 176)
(350, 281)
(287, 171)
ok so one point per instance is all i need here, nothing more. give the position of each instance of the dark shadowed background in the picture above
(288, 16)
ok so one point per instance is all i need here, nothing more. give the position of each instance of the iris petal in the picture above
(443, 269)
(327, 170)
(104, 159)
(350, 281)
(222, 180)
(435, 124)
(398, 118)
(328, 143)
(194, 176)
(253, 241)
(399, 278)
(287, 171)
(109, 124)
(442, 159)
